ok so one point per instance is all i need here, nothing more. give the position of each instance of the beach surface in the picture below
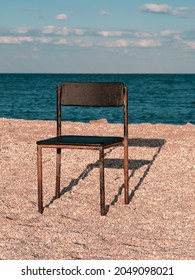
(158, 222)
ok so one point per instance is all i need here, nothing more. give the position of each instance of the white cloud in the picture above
(171, 33)
(79, 43)
(61, 42)
(148, 43)
(62, 31)
(190, 44)
(9, 40)
(106, 33)
(84, 44)
(166, 33)
(24, 39)
(44, 40)
(126, 43)
(78, 31)
(50, 29)
(185, 9)
(166, 9)
(117, 44)
(102, 38)
(15, 40)
(21, 30)
(104, 13)
(61, 17)
(156, 8)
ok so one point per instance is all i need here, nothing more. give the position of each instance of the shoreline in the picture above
(103, 120)
(156, 224)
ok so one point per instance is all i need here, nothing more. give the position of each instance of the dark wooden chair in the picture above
(87, 94)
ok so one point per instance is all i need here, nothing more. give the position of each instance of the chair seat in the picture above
(81, 140)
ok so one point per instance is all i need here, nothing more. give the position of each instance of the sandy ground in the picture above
(158, 223)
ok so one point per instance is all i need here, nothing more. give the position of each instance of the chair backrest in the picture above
(95, 94)
(92, 94)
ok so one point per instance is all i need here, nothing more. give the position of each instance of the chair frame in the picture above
(100, 148)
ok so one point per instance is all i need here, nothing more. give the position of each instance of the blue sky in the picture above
(104, 36)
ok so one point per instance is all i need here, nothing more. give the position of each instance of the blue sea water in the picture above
(153, 98)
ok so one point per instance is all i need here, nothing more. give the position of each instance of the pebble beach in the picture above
(158, 222)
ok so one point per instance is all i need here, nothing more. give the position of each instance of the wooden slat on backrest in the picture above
(92, 94)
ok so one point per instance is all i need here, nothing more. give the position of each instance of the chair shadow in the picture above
(133, 165)
(136, 164)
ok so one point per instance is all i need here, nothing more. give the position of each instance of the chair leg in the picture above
(39, 175)
(126, 183)
(58, 172)
(102, 188)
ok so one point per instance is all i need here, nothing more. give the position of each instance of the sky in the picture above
(104, 36)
